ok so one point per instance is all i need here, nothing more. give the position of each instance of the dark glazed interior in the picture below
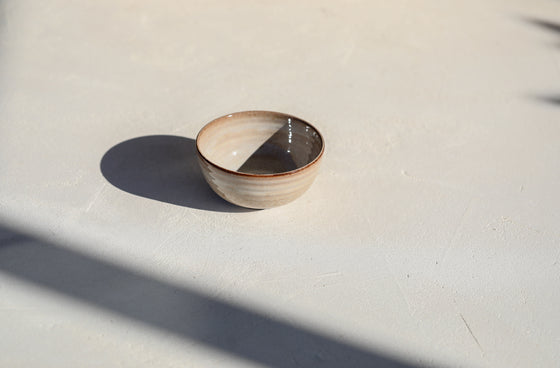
(293, 146)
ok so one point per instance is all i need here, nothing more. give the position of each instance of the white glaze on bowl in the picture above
(259, 159)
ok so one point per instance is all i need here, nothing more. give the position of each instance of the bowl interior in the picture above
(259, 142)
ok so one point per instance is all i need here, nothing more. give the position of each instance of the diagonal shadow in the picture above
(178, 309)
(554, 100)
(548, 25)
(554, 28)
(163, 168)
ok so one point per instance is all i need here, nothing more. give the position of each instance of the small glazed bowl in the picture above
(259, 159)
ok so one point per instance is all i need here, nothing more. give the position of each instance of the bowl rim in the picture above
(260, 112)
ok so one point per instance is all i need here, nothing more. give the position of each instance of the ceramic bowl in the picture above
(259, 159)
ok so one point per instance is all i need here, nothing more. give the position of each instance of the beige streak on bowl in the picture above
(259, 159)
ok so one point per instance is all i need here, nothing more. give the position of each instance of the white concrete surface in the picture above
(430, 238)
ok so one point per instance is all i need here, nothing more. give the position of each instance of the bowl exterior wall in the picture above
(258, 192)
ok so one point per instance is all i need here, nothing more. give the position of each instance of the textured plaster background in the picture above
(431, 236)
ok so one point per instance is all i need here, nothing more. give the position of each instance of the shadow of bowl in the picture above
(163, 168)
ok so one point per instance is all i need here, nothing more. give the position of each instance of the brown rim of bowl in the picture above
(261, 175)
